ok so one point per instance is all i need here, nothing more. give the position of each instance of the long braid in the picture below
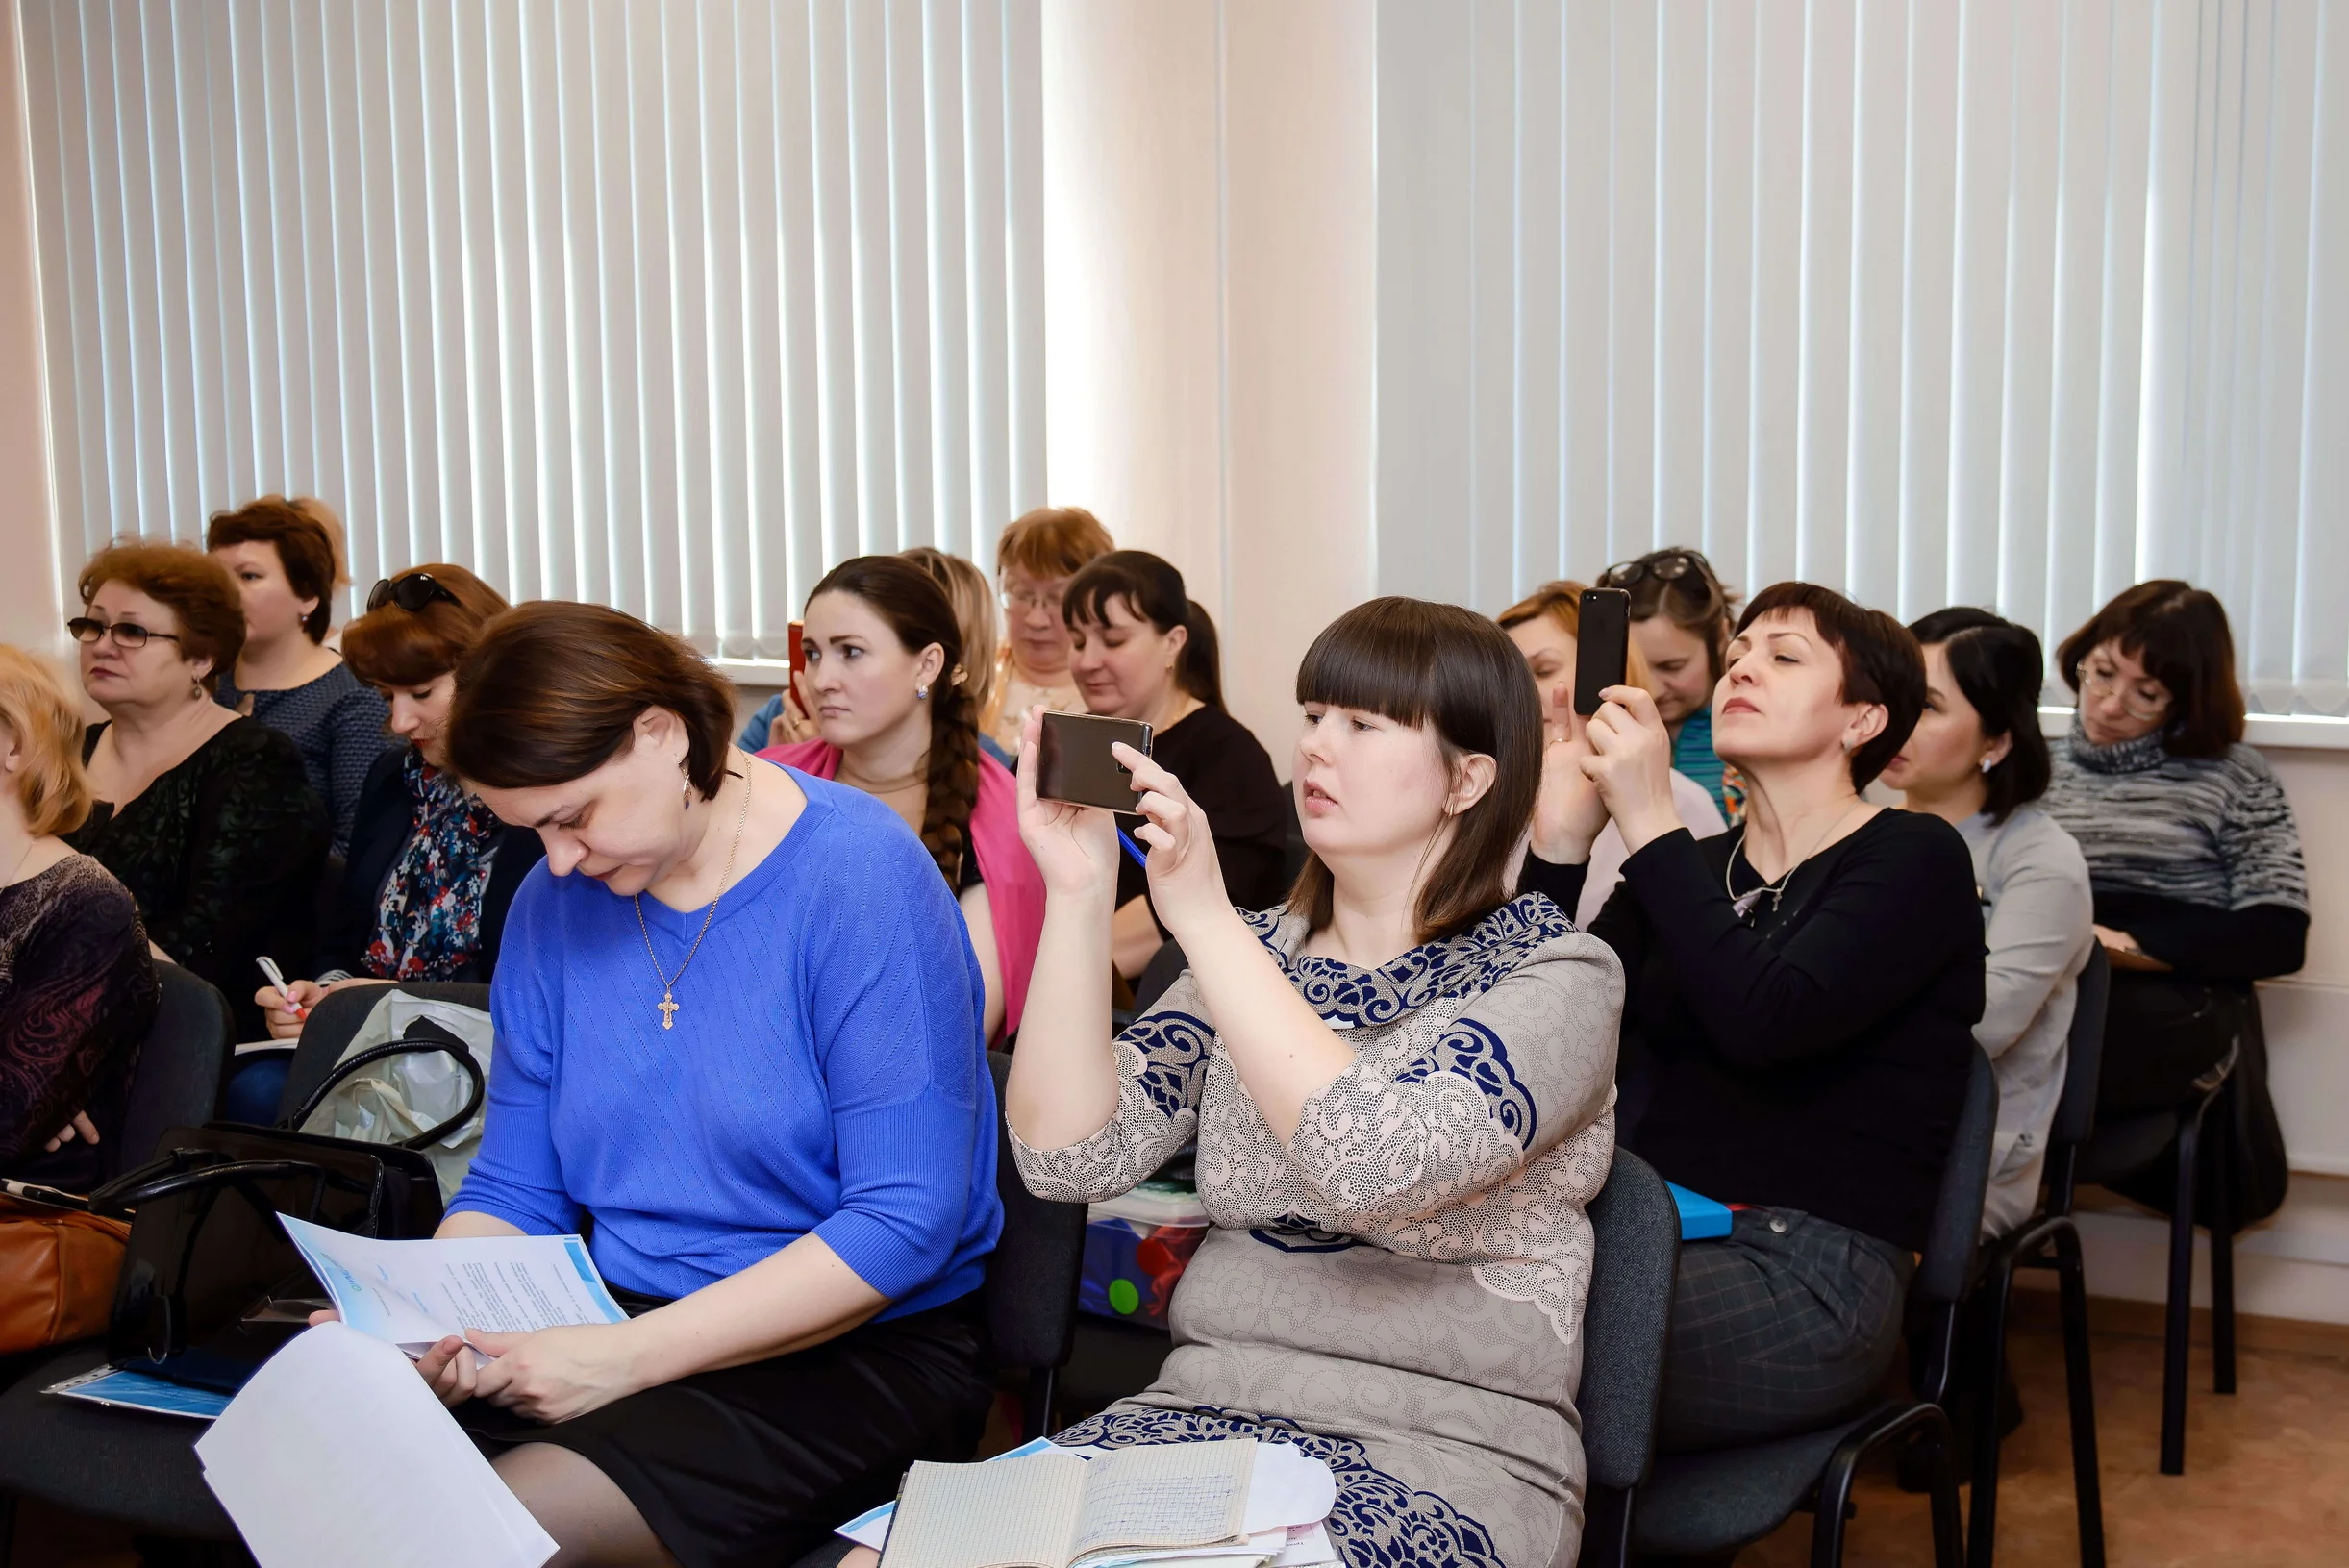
(951, 789)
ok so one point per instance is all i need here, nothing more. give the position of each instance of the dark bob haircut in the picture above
(1152, 590)
(1451, 670)
(1998, 667)
(396, 647)
(551, 691)
(1881, 664)
(2180, 634)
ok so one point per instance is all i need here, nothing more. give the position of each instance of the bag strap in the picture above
(123, 1193)
(424, 1037)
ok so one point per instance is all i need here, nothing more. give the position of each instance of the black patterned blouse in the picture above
(77, 993)
(223, 854)
(337, 723)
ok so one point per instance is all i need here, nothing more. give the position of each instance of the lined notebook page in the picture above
(1172, 1494)
(1013, 1513)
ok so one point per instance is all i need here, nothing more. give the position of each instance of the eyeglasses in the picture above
(1021, 600)
(2135, 703)
(412, 592)
(127, 634)
(1668, 566)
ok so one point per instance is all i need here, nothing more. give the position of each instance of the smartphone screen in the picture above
(1601, 649)
(1073, 762)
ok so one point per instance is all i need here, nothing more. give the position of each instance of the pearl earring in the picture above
(921, 694)
(1987, 764)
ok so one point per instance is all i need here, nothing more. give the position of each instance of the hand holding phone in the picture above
(1602, 651)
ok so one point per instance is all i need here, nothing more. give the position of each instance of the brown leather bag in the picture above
(57, 1274)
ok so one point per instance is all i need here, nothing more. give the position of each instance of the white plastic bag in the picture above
(393, 1099)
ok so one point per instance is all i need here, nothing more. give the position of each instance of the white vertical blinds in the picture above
(2000, 302)
(665, 304)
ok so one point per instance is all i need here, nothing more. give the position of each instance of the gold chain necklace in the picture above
(668, 983)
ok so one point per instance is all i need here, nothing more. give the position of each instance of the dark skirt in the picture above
(757, 1464)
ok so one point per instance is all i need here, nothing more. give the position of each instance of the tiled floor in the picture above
(2266, 1483)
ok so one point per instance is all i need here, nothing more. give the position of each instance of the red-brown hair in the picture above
(2180, 634)
(396, 647)
(198, 590)
(1052, 541)
(551, 691)
(308, 538)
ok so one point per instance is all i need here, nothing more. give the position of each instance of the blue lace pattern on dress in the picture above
(1476, 1054)
(1466, 964)
(1380, 1521)
(1174, 1048)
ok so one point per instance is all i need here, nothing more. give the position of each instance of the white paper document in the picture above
(336, 1452)
(415, 1294)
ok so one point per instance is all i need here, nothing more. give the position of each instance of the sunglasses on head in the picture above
(412, 592)
(1686, 571)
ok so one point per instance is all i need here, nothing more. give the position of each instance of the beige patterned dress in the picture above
(1400, 1290)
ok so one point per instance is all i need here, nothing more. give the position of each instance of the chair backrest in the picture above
(177, 1079)
(2084, 1054)
(1293, 849)
(326, 1034)
(1957, 1213)
(1031, 1275)
(1164, 968)
(1632, 1280)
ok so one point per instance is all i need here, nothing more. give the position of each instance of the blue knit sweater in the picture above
(825, 1073)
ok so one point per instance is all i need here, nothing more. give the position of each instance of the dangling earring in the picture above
(685, 789)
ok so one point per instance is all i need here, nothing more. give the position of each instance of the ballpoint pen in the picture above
(1134, 849)
(276, 978)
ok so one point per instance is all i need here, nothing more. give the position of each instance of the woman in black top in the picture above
(431, 870)
(1141, 648)
(206, 817)
(1798, 1025)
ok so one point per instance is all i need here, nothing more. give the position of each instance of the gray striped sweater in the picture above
(2215, 831)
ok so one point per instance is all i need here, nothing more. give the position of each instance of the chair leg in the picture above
(2088, 1490)
(1989, 1356)
(1037, 1412)
(2177, 1327)
(2219, 1158)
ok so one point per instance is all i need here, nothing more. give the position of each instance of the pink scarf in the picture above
(1014, 888)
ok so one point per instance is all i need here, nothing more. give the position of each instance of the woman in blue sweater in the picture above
(738, 1025)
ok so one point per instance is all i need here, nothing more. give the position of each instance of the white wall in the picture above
(29, 608)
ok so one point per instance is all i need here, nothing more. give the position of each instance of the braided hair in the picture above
(917, 610)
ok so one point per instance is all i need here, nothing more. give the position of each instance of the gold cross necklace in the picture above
(668, 983)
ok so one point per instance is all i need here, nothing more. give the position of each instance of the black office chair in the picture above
(1710, 1503)
(129, 1468)
(1635, 1264)
(2048, 1240)
(2122, 1147)
(177, 1079)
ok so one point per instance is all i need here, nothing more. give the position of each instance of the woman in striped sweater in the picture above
(2192, 851)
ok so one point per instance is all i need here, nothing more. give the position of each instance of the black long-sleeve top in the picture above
(1227, 771)
(223, 854)
(1816, 1058)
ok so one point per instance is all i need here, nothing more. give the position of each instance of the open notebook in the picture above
(1056, 1510)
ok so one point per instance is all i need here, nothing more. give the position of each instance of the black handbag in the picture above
(210, 1284)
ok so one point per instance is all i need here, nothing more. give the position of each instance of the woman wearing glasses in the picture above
(1036, 557)
(2192, 851)
(1680, 618)
(431, 870)
(286, 560)
(206, 816)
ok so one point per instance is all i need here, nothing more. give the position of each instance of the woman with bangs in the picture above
(431, 869)
(1401, 1086)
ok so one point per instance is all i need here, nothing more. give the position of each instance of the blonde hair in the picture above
(973, 598)
(46, 725)
(1561, 600)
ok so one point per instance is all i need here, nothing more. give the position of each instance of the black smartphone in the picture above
(1073, 762)
(1602, 647)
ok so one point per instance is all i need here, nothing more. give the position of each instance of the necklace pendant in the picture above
(668, 1010)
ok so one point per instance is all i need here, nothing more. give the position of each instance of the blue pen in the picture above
(1134, 849)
